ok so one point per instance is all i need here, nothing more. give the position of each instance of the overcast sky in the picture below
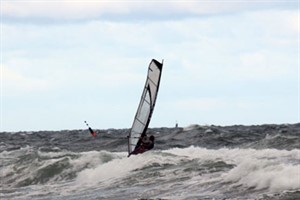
(225, 62)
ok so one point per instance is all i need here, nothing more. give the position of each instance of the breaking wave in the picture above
(229, 172)
(219, 163)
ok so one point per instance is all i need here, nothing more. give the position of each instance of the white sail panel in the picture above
(146, 106)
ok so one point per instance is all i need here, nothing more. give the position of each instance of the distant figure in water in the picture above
(93, 133)
(145, 143)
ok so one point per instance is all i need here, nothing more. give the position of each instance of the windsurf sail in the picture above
(146, 106)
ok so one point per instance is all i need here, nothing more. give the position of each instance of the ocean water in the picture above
(195, 162)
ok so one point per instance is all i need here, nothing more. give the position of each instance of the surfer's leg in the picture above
(140, 149)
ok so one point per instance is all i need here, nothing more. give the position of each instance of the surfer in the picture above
(145, 143)
(93, 133)
(148, 142)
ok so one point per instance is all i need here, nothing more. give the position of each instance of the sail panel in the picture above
(146, 106)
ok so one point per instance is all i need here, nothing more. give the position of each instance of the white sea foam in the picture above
(272, 169)
(191, 127)
(104, 171)
(269, 168)
(181, 172)
(258, 174)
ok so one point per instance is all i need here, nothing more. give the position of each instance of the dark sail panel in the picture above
(146, 106)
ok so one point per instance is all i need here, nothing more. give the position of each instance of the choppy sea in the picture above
(194, 162)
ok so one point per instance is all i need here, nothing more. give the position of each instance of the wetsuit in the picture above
(144, 144)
